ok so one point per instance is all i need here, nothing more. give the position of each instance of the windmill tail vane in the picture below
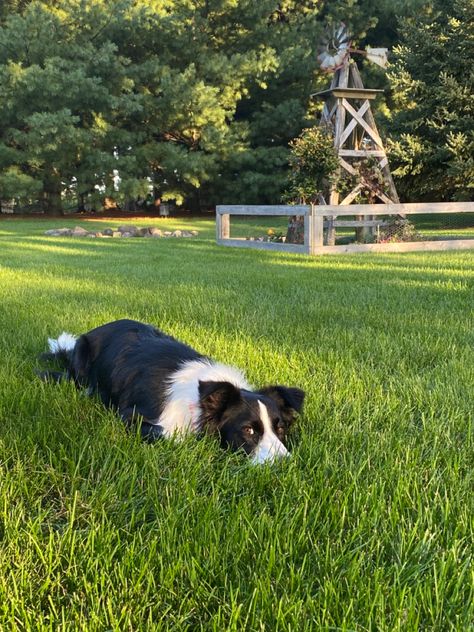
(375, 55)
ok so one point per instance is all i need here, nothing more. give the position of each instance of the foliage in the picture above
(175, 96)
(313, 165)
(433, 124)
(398, 229)
(197, 102)
(369, 174)
(63, 96)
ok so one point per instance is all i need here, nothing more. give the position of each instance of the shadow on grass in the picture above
(286, 301)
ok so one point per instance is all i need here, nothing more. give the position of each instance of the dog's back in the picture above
(126, 361)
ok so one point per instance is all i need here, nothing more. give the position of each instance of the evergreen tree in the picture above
(63, 92)
(432, 81)
(198, 100)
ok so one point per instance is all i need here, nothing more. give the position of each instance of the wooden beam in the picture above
(340, 112)
(402, 246)
(257, 209)
(316, 231)
(347, 166)
(352, 195)
(395, 209)
(373, 133)
(264, 245)
(362, 153)
(348, 93)
(222, 226)
(357, 81)
(350, 127)
(358, 223)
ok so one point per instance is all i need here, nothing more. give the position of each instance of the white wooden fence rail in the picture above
(314, 222)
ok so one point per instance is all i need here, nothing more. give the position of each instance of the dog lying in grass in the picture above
(152, 378)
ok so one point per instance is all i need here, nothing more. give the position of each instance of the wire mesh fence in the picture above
(325, 229)
(355, 229)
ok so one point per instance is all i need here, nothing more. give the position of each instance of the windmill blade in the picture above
(335, 48)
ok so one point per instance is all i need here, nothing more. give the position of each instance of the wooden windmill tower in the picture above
(348, 114)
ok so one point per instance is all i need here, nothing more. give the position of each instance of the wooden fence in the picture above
(316, 218)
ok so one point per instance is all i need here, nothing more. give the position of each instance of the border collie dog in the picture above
(152, 378)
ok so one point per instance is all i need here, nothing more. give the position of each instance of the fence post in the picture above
(308, 230)
(222, 225)
(317, 230)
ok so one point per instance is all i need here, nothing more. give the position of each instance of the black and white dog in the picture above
(147, 375)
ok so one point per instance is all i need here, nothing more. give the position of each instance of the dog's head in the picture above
(255, 421)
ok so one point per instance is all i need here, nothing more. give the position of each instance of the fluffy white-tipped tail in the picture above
(65, 342)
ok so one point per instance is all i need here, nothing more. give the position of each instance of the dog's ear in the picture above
(288, 399)
(214, 398)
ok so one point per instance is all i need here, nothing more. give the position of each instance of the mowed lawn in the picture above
(370, 524)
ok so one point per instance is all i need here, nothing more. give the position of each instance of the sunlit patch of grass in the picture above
(367, 527)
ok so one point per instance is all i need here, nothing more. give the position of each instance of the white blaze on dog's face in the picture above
(269, 447)
(256, 422)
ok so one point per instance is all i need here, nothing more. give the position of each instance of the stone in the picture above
(122, 231)
(78, 231)
(132, 230)
(56, 232)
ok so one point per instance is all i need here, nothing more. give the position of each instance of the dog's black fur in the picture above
(138, 370)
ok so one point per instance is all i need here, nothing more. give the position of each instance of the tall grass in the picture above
(369, 526)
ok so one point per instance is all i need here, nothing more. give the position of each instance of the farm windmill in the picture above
(348, 114)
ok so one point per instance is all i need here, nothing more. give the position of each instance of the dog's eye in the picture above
(249, 430)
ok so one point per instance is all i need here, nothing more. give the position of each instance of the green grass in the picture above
(370, 524)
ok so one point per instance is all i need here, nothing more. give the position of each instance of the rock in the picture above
(122, 231)
(141, 232)
(132, 230)
(79, 232)
(57, 232)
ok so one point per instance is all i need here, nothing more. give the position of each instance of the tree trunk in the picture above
(295, 230)
(52, 202)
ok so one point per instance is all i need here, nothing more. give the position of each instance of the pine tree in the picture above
(63, 93)
(433, 127)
